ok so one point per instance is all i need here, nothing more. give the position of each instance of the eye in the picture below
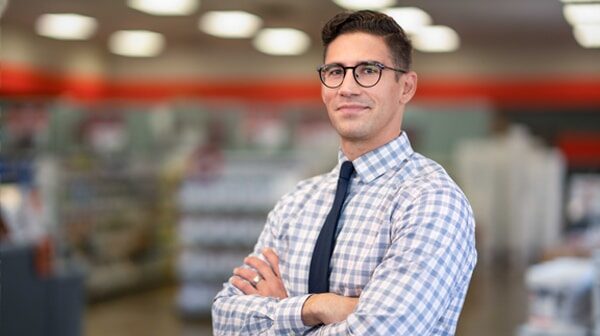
(333, 71)
(369, 69)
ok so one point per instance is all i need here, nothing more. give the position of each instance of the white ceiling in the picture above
(511, 24)
(499, 38)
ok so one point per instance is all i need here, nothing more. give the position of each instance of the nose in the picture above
(349, 86)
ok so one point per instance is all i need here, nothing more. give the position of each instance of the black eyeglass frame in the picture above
(380, 65)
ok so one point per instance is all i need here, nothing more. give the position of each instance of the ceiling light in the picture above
(281, 41)
(230, 24)
(364, 4)
(66, 26)
(162, 7)
(578, 1)
(436, 39)
(136, 43)
(588, 36)
(577, 14)
(409, 18)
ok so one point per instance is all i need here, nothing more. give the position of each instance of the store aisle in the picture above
(151, 313)
(495, 306)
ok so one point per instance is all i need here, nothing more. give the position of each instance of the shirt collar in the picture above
(375, 163)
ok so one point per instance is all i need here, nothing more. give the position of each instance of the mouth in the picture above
(351, 108)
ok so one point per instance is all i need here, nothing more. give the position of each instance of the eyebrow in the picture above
(357, 63)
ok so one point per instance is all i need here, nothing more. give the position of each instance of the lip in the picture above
(351, 108)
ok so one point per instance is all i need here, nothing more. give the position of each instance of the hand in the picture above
(327, 308)
(270, 285)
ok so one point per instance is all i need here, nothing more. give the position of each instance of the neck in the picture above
(354, 149)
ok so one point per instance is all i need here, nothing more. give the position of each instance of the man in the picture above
(386, 248)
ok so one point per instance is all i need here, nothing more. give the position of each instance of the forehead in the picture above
(351, 48)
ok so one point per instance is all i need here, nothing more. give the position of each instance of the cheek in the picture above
(325, 95)
(390, 98)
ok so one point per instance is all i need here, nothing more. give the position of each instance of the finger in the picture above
(273, 259)
(245, 273)
(264, 270)
(243, 285)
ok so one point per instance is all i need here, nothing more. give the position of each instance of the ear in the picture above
(409, 88)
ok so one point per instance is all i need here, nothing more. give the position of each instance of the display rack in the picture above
(113, 224)
(222, 215)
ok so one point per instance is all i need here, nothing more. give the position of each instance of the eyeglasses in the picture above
(366, 74)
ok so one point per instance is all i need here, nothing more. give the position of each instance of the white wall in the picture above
(67, 57)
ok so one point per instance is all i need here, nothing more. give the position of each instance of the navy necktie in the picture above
(318, 278)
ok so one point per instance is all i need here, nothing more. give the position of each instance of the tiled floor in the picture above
(495, 306)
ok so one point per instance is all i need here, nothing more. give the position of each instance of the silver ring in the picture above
(256, 280)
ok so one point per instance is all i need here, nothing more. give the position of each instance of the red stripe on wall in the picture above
(543, 92)
(287, 90)
(22, 81)
(581, 148)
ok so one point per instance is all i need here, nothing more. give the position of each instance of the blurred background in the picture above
(142, 144)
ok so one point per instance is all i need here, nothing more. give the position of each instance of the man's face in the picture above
(369, 117)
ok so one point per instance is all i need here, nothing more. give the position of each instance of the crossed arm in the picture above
(425, 270)
(326, 308)
(244, 307)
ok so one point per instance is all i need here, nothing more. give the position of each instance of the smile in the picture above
(351, 108)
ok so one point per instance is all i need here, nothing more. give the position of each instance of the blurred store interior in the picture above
(133, 180)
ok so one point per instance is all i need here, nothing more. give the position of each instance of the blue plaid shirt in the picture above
(406, 248)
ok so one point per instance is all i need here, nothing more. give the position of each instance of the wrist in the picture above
(310, 315)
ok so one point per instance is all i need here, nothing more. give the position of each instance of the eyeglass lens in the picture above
(365, 74)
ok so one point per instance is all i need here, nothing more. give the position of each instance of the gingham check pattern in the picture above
(406, 247)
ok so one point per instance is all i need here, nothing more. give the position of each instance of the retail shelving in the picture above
(113, 225)
(222, 215)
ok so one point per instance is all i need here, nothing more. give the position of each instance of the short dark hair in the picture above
(374, 23)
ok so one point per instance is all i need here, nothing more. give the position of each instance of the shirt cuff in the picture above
(288, 317)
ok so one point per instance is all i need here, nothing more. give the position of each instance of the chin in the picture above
(351, 134)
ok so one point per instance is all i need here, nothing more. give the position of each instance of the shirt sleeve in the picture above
(234, 313)
(426, 269)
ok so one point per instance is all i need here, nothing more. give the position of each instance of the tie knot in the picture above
(346, 170)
